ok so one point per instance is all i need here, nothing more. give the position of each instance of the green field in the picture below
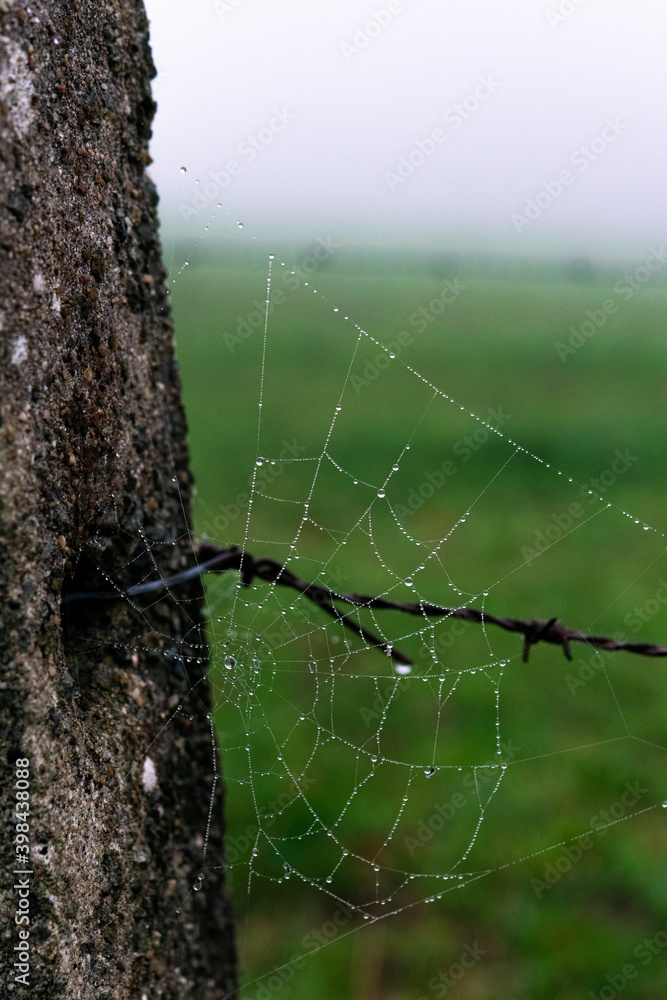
(580, 739)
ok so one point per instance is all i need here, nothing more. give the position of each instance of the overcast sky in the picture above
(512, 123)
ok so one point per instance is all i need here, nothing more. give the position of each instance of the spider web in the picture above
(362, 788)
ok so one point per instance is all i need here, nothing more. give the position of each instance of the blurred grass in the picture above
(572, 749)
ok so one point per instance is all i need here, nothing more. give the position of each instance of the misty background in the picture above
(519, 127)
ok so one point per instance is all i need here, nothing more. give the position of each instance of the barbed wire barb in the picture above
(212, 559)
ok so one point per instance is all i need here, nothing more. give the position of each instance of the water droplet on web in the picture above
(255, 852)
(329, 878)
(272, 256)
(240, 225)
(230, 662)
(402, 668)
(381, 494)
(429, 772)
(184, 170)
(260, 461)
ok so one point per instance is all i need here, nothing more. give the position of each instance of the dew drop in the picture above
(272, 256)
(240, 225)
(381, 494)
(429, 772)
(230, 662)
(403, 668)
(184, 170)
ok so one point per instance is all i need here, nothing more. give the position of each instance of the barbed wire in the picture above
(212, 559)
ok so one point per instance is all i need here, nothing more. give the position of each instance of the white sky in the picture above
(349, 114)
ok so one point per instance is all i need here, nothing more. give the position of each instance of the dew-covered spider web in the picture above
(413, 807)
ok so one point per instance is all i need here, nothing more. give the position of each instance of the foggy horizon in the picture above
(526, 129)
